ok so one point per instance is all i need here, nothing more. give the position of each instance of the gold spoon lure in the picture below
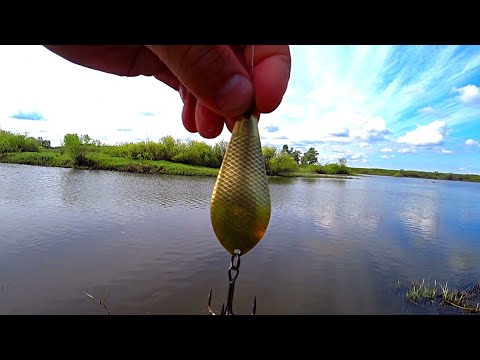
(240, 207)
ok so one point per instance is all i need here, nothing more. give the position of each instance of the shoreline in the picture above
(108, 163)
(156, 167)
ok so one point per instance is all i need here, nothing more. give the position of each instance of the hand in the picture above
(214, 82)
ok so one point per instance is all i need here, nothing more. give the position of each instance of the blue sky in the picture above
(410, 107)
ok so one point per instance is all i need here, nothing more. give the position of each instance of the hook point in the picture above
(210, 297)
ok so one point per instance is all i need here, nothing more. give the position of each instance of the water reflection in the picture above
(332, 247)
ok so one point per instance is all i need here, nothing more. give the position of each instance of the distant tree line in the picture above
(13, 142)
(81, 149)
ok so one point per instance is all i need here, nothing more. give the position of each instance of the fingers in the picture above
(230, 123)
(188, 112)
(123, 60)
(217, 77)
(209, 124)
(213, 74)
(198, 118)
(272, 65)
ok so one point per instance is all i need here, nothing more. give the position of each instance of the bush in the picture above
(169, 148)
(219, 150)
(10, 142)
(268, 153)
(197, 153)
(331, 169)
(192, 152)
(281, 164)
(75, 147)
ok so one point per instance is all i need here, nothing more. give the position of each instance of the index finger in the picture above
(271, 73)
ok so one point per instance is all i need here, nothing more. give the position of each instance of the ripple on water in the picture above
(332, 247)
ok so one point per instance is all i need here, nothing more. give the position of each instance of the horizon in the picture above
(387, 107)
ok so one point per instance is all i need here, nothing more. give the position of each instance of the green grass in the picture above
(12, 142)
(421, 291)
(327, 169)
(465, 300)
(317, 175)
(105, 162)
(101, 161)
(417, 174)
(171, 156)
(335, 171)
(43, 158)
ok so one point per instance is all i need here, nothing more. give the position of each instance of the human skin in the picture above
(215, 82)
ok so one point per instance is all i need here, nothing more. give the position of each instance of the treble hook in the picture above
(228, 310)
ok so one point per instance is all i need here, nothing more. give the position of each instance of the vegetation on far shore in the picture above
(171, 156)
(417, 174)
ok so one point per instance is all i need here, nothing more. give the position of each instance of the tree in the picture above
(268, 153)
(44, 143)
(342, 161)
(281, 164)
(310, 157)
(296, 154)
(76, 146)
(219, 150)
(85, 139)
(285, 150)
(169, 148)
(293, 153)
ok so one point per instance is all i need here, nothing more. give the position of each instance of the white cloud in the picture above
(384, 156)
(343, 132)
(345, 96)
(469, 95)
(445, 151)
(472, 142)
(407, 150)
(427, 110)
(336, 152)
(431, 134)
(75, 99)
(386, 150)
(373, 129)
(431, 111)
(356, 156)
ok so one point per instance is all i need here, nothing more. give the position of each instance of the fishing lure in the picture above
(240, 207)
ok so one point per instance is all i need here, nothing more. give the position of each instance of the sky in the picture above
(391, 107)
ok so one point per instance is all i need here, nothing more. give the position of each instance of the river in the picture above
(333, 246)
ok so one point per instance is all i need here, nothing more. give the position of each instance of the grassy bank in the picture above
(417, 174)
(176, 157)
(166, 156)
(101, 161)
(98, 160)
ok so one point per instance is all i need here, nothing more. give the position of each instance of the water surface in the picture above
(332, 246)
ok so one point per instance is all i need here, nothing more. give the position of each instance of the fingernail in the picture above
(236, 95)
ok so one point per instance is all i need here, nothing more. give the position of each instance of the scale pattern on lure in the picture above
(240, 207)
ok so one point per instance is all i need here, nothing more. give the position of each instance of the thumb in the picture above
(213, 74)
